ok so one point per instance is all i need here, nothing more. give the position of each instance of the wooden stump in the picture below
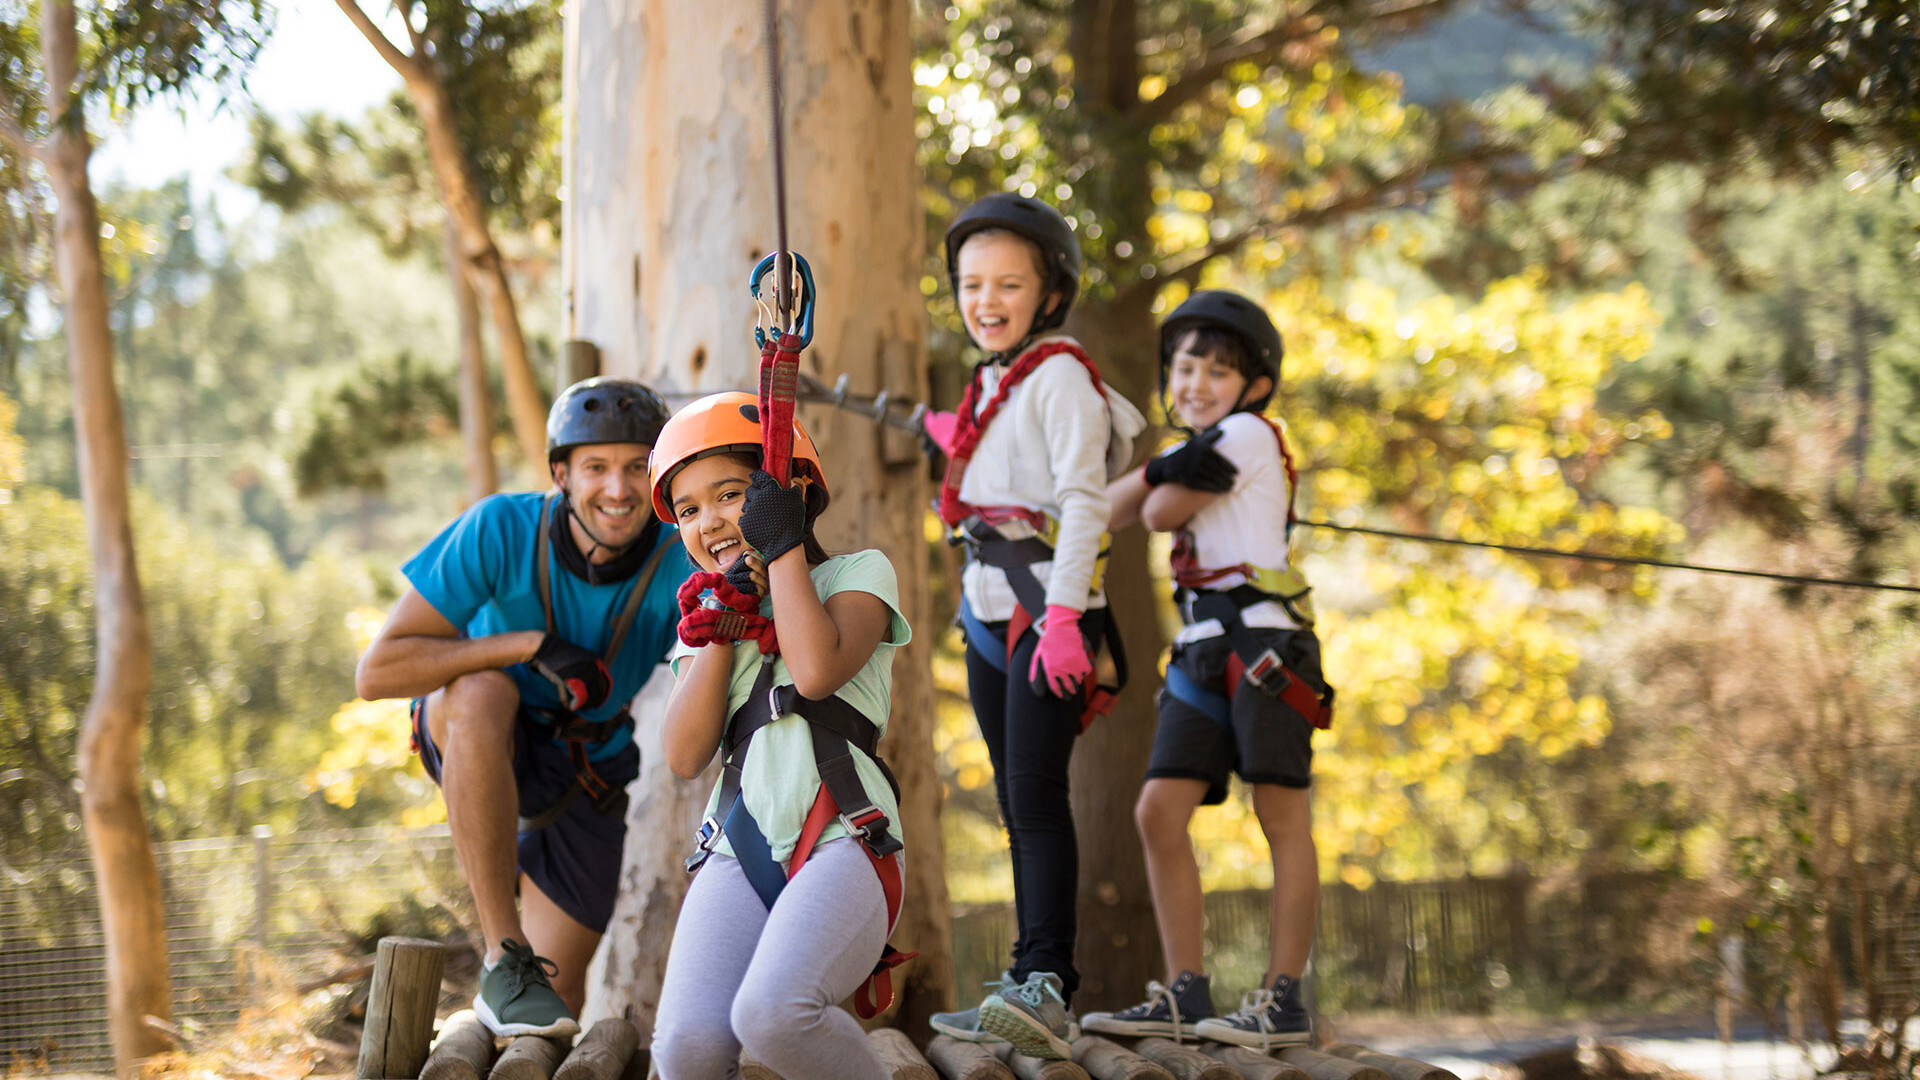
(1032, 1068)
(1252, 1064)
(1399, 1068)
(1184, 1062)
(530, 1057)
(1105, 1059)
(603, 1052)
(1321, 1066)
(640, 1065)
(898, 1054)
(464, 1050)
(400, 1008)
(958, 1060)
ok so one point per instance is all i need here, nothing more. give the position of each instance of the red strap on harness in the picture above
(779, 383)
(968, 428)
(1096, 700)
(876, 993)
(1297, 694)
(738, 619)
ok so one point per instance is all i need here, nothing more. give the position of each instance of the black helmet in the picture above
(1220, 309)
(1039, 223)
(603, 410)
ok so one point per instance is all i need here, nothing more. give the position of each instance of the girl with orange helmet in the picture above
(763, 952)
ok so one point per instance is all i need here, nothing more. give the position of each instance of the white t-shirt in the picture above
(1247, 524)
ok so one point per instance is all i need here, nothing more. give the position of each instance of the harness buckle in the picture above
(704, 838)
(870, 825)
(1269, 673)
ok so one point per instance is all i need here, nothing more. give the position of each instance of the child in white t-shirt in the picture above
(1244, 687)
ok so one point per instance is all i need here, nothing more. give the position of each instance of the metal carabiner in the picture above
(803, 320)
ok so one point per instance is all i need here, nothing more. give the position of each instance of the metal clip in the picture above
(802, 322)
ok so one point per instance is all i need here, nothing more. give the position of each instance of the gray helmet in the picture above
(603, 410)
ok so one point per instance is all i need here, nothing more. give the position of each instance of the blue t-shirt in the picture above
(479, 574)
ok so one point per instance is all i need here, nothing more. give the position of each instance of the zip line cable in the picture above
(1623, 560)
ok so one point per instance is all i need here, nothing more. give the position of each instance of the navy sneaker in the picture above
(1267, 1018)
(1031, 1015)
(1169, 1011)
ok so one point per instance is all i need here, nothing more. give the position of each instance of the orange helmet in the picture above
(726, 423)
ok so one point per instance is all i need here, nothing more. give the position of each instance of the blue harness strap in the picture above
(981, 636)
(1183, 687)
(755, 856)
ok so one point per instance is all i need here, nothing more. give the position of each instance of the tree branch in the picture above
(401, 62)
(1260, 48)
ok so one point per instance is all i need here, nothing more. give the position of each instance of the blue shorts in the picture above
(575, 860)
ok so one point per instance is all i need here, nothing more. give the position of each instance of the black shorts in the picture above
(575, 860)
(1264, 740)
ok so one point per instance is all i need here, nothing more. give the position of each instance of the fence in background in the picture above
(303, 902)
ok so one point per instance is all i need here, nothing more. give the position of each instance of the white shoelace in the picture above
(1256, 1009)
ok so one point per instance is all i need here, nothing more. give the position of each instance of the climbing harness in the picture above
(980, 528)
(1252, 661)
(563, 724)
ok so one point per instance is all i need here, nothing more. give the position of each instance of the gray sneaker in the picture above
(1169, 1011)
(1267, 1019)
(965, 1024)
(516, 999)
(1032, 1016)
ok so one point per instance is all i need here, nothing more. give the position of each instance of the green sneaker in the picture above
(1032, 1016)
(516, 999)
(965, 1024)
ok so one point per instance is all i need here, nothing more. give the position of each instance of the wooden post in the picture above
(1184, 1062)
(1031, 1068)
(1105, 1059)
(530, 1057)
(1399, 1068)
(1321, 1066)
(1252, 1064)
(897, 1053)
(579, 360)
(464, 1050)
(958, 1060)
(603, 1052)
(400, 1008)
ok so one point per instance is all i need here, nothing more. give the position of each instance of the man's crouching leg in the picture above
(471, 721)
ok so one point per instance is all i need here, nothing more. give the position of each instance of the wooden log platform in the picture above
(1105, 1059)
(1399, 1068)
(1251, 1064)
(1324, 1066)
(464, 1050)
(751, 1069)
(1185, 1062)
(959, 1060)
(602, 1053)
(400, 1008)
(901, 1058)
(1031, 1068)
(530, 1057)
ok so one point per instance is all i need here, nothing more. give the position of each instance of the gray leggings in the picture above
(724, 990)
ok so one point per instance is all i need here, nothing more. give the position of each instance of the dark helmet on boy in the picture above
(603, 410)
(1227, 311)
(1046, 227)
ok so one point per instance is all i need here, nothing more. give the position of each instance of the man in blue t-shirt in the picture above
(528, 626)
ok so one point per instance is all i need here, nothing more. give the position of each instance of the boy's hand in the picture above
(579, 676)
(1196, 465)
(774, 519)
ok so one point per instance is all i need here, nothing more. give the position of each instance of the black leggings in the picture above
(1030, 739)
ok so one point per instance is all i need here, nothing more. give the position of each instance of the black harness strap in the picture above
(567, 726)
(1263, 667)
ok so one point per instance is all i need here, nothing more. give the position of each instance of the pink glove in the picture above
(939, 427)
(1060, 664)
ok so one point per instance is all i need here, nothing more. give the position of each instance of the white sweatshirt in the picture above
(1052, 447)
(1245, 525)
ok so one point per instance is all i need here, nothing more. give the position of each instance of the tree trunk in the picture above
(128, 881)
(476, 398)
(1119, 946)
(670, 203)
(486, 271)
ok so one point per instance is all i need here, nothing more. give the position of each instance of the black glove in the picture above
(579, 676)
(774, 519)
(740, 576)
(1196, 464)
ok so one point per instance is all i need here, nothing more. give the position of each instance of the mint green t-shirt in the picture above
(780, 780)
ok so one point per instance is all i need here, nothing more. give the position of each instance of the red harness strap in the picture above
(779, 383)
(968, 428)
(876, 993)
